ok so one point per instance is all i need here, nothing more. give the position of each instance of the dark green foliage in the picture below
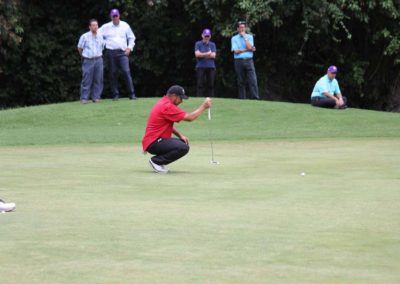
(10, 38)
(295, 40)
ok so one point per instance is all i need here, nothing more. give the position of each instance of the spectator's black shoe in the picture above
(133, 98)
(115, 98)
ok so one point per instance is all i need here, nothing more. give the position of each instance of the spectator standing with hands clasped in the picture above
(205, 52)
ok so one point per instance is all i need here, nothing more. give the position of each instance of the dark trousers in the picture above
(326, 102)
(246, 75)
(167, 151)
(205, 82)
(117, 60)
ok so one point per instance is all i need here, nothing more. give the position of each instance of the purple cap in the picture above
(206, 32)
(332, 69)
(114, 12)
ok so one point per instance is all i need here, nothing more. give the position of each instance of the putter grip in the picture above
(209, 114)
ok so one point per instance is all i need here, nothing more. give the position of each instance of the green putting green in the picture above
(90, 210)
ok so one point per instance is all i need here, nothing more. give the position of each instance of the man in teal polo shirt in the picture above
(326, 92)
(243, 49)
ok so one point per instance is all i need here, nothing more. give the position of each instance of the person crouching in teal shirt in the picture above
(326, 92)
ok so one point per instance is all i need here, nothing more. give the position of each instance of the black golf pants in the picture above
(205, 82)
(167, 151)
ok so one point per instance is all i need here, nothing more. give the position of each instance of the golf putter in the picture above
(213, 162)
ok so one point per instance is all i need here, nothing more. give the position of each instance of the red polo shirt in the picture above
(161, 121)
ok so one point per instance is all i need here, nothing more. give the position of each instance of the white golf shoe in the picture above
(161, 169)
(6, 207)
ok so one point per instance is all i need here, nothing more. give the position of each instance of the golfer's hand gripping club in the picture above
(207, 103)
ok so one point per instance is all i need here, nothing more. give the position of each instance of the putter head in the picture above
(213, 162)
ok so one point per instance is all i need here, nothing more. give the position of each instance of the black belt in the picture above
(243, 58)
(93, 58)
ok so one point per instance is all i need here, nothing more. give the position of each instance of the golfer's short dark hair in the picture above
(241, 23)
(93, 20)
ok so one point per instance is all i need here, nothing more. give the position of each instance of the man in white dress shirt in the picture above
(120, 41)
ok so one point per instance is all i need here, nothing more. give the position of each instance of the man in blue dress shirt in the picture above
(243, 49)
(326, 92)
(120, 41)
(205, 52)
(90, 47)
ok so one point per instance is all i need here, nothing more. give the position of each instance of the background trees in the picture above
(296, 40)
(10, 38)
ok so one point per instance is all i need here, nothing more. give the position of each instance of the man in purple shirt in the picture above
(205, 52)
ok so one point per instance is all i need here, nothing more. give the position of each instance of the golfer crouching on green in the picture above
(158, 139)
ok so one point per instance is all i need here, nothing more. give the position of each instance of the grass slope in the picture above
(124, 122)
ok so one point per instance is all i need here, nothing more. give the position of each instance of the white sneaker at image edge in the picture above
(6, 207)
